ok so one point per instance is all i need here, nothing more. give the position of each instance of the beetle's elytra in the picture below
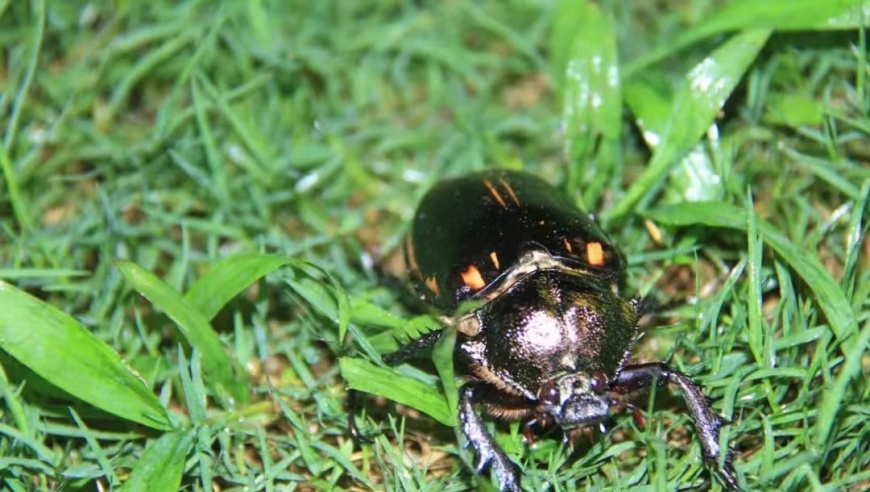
(549, 339)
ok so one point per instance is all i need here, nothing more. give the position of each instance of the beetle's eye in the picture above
(598, 382)
(549, 394)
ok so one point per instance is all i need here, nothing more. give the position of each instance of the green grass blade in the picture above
(161, 464)
(55, 346)
(592, 101)
(706, 88)
(724, 215)
(19, 207)
(33, 62)
(172, 46)
(442, 357)
(227, 278)
(362, 375)
(832, 399)
(323, 292)
(222, 374)
(752, 14)
(218, 178)
(757, 327)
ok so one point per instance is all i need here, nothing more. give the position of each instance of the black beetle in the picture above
(550, 336)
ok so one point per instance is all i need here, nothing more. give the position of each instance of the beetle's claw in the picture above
(728, 477)
(485, 447)
(506, 471)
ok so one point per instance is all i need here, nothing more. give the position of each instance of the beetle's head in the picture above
(576, 399)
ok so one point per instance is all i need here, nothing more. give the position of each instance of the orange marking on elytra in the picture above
(411, 255)
(494, 258)
(595, 254)
(510, 192)
(432, 285)
(567, 245)
(494, 193)
(472, 278)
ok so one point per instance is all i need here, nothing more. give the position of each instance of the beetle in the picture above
(548, 339)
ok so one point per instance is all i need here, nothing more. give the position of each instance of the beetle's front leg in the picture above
(707, 422)
(488, 452)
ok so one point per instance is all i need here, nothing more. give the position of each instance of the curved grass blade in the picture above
(230, 276)
(592, 100)
(54, 345)
(227, 278)
(706, 88)
(362, 375)
(222, 373)
(162, 463)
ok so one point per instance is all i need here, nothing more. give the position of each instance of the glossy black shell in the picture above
(470, 231)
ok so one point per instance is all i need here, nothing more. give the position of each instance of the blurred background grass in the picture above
(174, 134)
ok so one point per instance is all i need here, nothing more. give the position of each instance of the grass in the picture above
(193, 196)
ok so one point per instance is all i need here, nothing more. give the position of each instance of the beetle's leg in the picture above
(488, 452)
(707, 422)
(406, 351)
(352, 407)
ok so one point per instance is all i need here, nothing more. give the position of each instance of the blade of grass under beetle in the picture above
(222, 374)
(162, 463)
(362, 375)
(752, 14)
(592, 102)
(55, 346)
(703, 93)
(724, 215)
(227, 278)
(442, 357)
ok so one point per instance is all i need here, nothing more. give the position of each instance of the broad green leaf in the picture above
(592, 102)
(221, 373)
(706, 88)
(227, 278)
(55, 346)
(364, 313)
(794, 110)
(566, 20)
(777, 15)
(856, 17)
(724, 215)
(694, 178)
(162, 463)
(362, 375)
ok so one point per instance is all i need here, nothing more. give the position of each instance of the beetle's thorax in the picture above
(549, 322)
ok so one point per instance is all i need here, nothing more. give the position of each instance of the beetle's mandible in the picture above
(549, 341)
